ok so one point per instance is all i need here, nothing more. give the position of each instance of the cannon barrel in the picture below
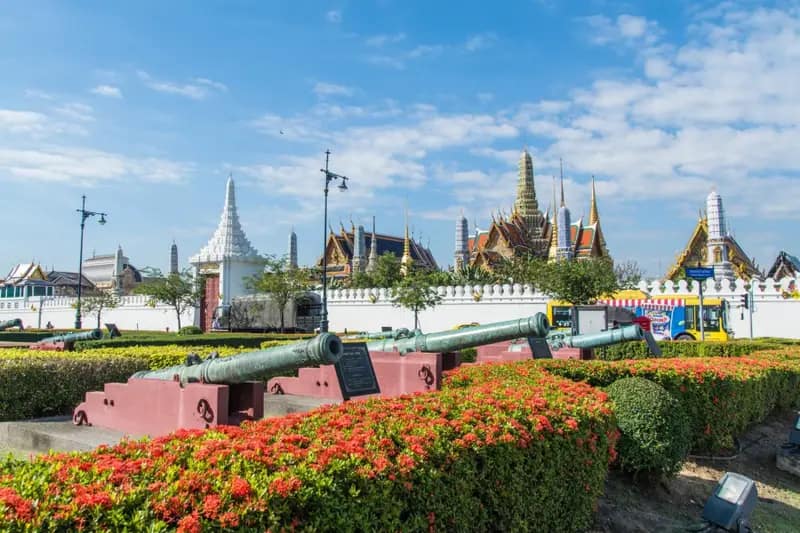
(630, 332)
(400, 333)
(324, 349)
(454, 340)
(91, 335)
(13, 323)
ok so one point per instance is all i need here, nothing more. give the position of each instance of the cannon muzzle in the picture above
(324, 349)
(13, 323)
(452, 341)
(630, 332)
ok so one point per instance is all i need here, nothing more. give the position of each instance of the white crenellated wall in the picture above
(776, 313)
(133, 313)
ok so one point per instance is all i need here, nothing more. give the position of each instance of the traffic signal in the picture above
(745, 301)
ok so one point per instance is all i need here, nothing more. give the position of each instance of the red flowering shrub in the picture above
(721, 395)
(500, 448)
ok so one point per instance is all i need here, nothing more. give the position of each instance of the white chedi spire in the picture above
(229, 241)
(717, 252)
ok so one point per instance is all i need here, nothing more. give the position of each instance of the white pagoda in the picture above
(226, 260)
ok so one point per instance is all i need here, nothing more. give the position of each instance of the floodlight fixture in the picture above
(732, 503)
(794, 434)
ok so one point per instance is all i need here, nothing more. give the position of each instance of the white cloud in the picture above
(485, 97)
(331, 89)
(76, 111)
(82, 166)
(198, 89)
(36, 93)
(386, 61)
(480, 41)
(22, 121)
(334, 16)
(381, 40)
(425, 50)
(107, 90)
(627, 29)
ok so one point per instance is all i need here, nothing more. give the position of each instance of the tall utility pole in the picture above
(329, 176)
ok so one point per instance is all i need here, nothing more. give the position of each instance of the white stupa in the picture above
(228, 256)
(717, 254)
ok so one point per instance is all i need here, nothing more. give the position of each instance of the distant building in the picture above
(711, 244)
(347, 251)
(112, 272)
(528, 231)
(292, 255)
(66, 283)
(24, 280)
(785, 266)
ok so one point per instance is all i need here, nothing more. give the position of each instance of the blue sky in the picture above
(146, 107)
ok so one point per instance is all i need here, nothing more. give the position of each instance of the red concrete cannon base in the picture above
(504, 352)
(155, 407)
(397, 375)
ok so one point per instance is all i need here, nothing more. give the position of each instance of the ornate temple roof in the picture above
(785, 265)
(344, 242)
(229, 241)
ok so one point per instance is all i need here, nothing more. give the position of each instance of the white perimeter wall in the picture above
(133, 313)
(774, 315)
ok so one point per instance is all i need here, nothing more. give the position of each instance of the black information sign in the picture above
(540, 348)
(355, 372)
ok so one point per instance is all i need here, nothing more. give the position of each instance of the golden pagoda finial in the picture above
(594, 217)
(561, 164)
(554, 226)
(405, 261)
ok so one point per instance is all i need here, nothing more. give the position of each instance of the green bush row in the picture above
(45, 386)
(722, 396)
(639, 350)
(246, 340)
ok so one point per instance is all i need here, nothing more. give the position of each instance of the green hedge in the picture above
(722, 396)
(246, 340)
(47, 386)
(639, 350)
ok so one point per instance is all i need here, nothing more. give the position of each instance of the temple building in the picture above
(528, 231)
(112, 272)
(66, 283)
(225, 261)
(785, 266)
(711, 244)
(350, 252)
(25, 280)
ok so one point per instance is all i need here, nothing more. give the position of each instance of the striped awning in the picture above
(644, 303)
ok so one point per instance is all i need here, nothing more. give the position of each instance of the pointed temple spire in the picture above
(229, 239)
(561, 164)
(405, 261)
(292, 256)
(373, 249)
(594, 217)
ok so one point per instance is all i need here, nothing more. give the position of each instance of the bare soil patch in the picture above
(676, 505)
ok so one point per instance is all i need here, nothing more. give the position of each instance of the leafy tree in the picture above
(416, 293)
(96, 304)
(385, 274)
(179, 290)
(475, 275)
(523, 269)
(282, 282)
(578, 282)
(628, 274)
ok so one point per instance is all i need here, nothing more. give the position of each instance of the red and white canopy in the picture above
(666, 304)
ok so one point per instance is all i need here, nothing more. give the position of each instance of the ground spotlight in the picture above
(732, 503)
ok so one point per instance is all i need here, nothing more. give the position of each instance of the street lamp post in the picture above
(84, 215)
(329, 176)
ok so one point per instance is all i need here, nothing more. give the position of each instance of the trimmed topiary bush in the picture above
(654, 427)
(190, 330)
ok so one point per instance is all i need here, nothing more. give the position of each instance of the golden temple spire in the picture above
(405, 261)
(561, 163)
(594, 216)
(554, 226)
